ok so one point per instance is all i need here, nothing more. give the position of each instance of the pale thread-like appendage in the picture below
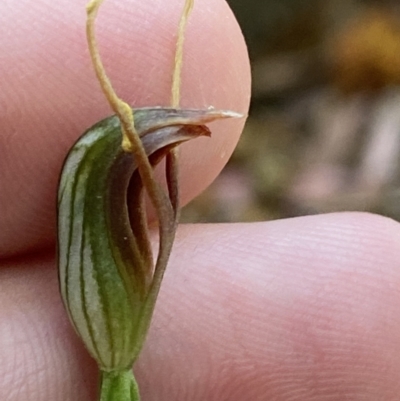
(176, 77)
(131, 141)
(172, 164)
(166, 214)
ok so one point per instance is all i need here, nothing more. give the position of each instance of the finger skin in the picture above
(299, 309)
(50, 96)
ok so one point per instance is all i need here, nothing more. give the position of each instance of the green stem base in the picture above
(118, 386)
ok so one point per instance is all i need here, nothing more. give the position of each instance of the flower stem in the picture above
(119, 386)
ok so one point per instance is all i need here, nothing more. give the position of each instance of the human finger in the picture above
(50, 95)
(299, 309)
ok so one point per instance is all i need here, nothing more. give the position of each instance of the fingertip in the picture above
(304, 308)
(51, 95)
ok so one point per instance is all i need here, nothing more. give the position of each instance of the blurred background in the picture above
(324, 127)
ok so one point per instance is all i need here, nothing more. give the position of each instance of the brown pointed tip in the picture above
(188, 132)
